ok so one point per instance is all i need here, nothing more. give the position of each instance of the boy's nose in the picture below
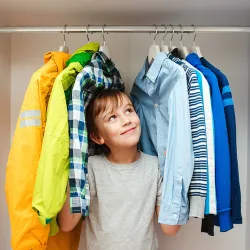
(125, 121)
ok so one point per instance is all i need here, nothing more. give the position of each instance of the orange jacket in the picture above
(27, 231)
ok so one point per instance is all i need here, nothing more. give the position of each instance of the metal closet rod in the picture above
(123, 29)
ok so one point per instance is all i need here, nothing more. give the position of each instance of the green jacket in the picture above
(53, 168)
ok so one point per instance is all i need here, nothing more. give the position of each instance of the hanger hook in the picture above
(172, 34)
(181, 34)
(166, 32)
(87, 32)
(64, 37)
(194, 34)
(104, 42)
(156, 32)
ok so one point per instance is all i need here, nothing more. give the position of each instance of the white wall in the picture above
(5, 83)
(229, 52)
(248, 160)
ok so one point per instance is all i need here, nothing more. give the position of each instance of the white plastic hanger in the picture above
(164, 48)
(154, 49)
(195, 49)
(64, 48)
(171, 47)
(183, 51)
(104, 47)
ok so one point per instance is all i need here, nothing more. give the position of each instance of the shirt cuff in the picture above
(197, 206)
(171, 215)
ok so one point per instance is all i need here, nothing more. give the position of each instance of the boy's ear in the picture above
(96, 138)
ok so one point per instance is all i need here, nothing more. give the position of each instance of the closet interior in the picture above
(221, 33)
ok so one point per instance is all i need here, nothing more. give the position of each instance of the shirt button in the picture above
(156, 105)
(175, 216)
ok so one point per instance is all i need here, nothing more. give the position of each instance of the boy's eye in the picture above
(112, 117)
(129, 110)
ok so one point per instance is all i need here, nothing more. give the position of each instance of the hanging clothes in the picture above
(198, 185)
(100, 73)
(231, 129)
(53, 168)
(211, 203)
(160, 98)
(27, 230)
(222, 161)
(175, 52)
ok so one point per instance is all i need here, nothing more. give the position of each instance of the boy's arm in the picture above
(169, 230)
(66, 220)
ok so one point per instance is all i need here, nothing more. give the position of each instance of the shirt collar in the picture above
(206, 63)
(175, 59)
(194, 59)
(109, 68)
(153, 71)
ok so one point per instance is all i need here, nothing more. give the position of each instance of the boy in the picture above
(125, 184)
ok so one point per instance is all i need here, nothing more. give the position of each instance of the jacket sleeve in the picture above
(21, 169)
(179, 162)
(222, 161)
(231, 128)
(53, 167)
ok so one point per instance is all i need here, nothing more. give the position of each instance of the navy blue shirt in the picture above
(231, 129)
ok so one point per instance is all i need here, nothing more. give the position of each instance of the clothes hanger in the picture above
(87, 33)
(195, 49)
(104, 47)
(171, 47)
(183, 51)
(154, 49)
(64, 48)
(164, 48)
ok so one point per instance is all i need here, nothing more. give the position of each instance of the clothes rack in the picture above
(125, 29)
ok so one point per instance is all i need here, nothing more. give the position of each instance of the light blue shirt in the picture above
(160, 97)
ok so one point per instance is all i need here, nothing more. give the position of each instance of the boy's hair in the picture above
(103, 100)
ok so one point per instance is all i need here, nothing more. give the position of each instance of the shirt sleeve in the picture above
(78, 151)
(179, 162)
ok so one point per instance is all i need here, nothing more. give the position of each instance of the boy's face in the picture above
(119, 128)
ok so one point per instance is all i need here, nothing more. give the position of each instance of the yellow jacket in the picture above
(27, 231)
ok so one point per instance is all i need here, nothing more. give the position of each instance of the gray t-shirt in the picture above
(123, 201)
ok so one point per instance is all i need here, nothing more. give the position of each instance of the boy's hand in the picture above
(169, 230)
(66, 220)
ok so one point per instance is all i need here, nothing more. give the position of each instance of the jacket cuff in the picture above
(225, 221)
(197, 206)
(237, 220)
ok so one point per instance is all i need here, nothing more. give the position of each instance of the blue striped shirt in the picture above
(198, 186)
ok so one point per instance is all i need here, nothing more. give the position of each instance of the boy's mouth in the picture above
(128, 131)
